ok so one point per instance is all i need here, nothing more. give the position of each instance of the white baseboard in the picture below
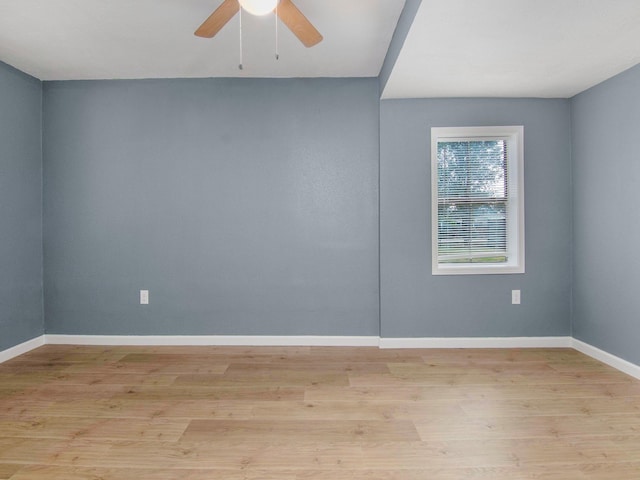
(477, 342)
(24, 347)
(310, 340)
(213, 340)
(606, 357)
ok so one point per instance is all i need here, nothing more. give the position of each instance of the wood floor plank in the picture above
(51, 472)
(221, 454)
(557, 472)
(338, 411)
(43, 427)
(504, 378)
(476, 356)
(94, 378)
(181, 392)
(27, 450)
(173, 364)
(608, 471)
(285, 378)
(409, 370)
(64, 392)
(462, 427)
(174, 355)
(7, 470)
(95, 356)
(573, 390)
(275, 431)
(500, 452)
(158, 429)
(109, 408)
(18, 406)
(81, 427)
(307, 367)
(379, 393)
(206, 409)
(563, 406)
(575, 367)
(417, 393)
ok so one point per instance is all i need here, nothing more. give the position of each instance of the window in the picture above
(477, 214)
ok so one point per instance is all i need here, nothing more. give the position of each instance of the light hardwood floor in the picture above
(307, 413)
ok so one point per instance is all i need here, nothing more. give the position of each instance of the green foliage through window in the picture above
(472, 201)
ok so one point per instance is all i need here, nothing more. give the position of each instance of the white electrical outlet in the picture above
(144, 297)
(515, 297)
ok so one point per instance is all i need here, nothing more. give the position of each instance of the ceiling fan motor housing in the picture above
(259, 7)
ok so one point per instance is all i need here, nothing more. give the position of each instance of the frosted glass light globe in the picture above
(258, 7)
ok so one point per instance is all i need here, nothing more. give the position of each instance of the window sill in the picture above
(479, 269)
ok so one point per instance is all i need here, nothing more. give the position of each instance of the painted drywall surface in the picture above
(397, 41)
(606, 182)
(245, 206)
(20, 207)
(414, 303)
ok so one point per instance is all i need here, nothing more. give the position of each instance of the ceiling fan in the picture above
(285, 9)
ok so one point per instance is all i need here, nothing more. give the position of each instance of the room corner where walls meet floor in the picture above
(327, 341)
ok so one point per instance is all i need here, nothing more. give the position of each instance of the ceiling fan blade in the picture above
(218, 19)
(298, 23)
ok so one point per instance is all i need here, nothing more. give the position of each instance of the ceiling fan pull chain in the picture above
(240, 16)
(276, 16)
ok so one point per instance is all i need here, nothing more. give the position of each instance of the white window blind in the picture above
(477, 218)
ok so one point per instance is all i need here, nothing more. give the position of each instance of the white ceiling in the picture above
(454, 48)
(515, 48)
(100, 39)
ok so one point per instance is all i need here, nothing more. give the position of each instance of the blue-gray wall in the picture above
(606, 185)
(416, 304)
(20, 207)
(250, 207)
(244, 206)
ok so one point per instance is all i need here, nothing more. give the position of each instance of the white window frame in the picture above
(514, 136)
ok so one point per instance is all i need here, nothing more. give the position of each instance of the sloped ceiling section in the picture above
(514, 48)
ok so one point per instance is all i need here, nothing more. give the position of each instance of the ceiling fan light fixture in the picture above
(259, 7)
